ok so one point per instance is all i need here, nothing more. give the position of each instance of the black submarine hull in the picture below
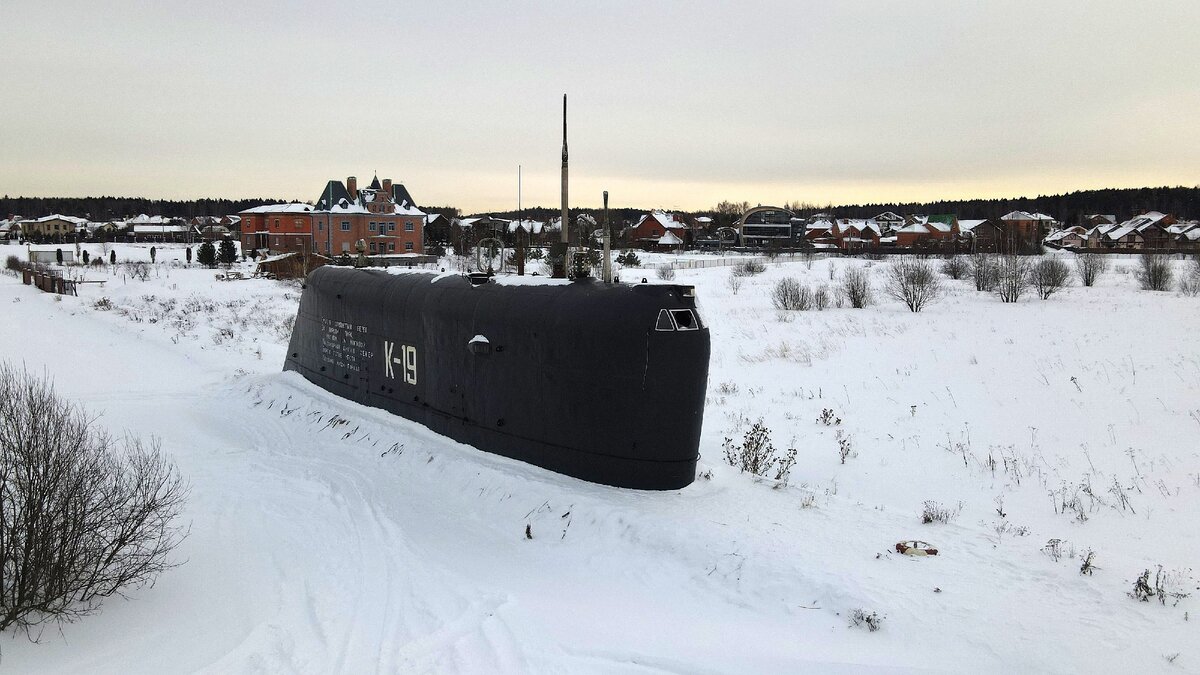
(603, 382)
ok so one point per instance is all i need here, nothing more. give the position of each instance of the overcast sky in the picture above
(672, 104)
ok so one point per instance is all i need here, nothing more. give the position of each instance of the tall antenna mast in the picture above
(565, 238)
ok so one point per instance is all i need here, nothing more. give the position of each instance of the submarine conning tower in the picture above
(601, 381)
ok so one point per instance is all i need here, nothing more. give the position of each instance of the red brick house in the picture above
(652, 227)
(381, 214)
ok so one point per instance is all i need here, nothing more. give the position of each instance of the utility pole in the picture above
(606, 274)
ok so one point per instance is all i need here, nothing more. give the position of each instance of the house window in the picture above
(371, 226)
(408, 226)
(276, 241)
(276, 222)
(391, 246)
(320, 227)
(408, 246)
(299, 223)
(345, 226)
(372, 247)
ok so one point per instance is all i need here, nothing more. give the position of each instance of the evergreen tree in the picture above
(189, 255)
(227, 253)
(112, 257)
(207, 255)
(85, 257)
(58, 255)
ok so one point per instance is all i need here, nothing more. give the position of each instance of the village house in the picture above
(381, 214)
(1023, 231)
(1072, 237)
(55, 227)
(889, 222)
(660, 228)
(981, 235)
(277, 227)
(856, 235)
(929, 232)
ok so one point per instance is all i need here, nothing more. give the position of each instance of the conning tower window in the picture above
(676, 319)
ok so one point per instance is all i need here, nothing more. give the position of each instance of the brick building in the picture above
(382, 214)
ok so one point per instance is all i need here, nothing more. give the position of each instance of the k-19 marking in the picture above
(407, 360)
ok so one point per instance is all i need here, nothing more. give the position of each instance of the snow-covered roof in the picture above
(273, 258)
(669, 239)
(143, 219)
(160, 228)
(888, 216)
(1120, 232)
(534, 226)
(1025, 215)
(667, 220)
(969, 225)
(703, 219)
(294, 207)
(915, 228)
(859, 224)
(1145, 220)
(1059, 235)
(56, 216)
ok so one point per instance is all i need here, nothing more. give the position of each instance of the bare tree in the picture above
(1049, 275)
(913, 282)
(1155, 273)
(955, 267)
(82, 516)
(1012, 276)
(789, 294)
(1089, 267)
(856, 287)
(734, 281)
(983, 271)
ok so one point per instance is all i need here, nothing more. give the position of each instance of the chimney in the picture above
(387, 187)
(352, 187)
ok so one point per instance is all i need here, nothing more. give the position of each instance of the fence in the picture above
(48, 280)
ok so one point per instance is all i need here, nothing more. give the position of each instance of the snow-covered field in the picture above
(377, 546)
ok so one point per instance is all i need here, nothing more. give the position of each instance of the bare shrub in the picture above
(933, 512)
(859, 618)
(790, 295)
(856, 287)
(983, 271)
(1013, 274)
(955, 267)
(137, 270)
(734, 281)
(103, 304)
(757, 455)
(13, 264)
(1049, 275)
(665, 272)
(1164, 587)
(82, 516)
(1089, 267)
(820, 298)
(913, 282)
(1189, 283)
(749, 267)
(1154, 272)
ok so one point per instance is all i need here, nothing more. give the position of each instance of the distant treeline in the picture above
(107, 208)
(1124, 203)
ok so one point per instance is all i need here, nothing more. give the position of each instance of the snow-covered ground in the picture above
(377, 546)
